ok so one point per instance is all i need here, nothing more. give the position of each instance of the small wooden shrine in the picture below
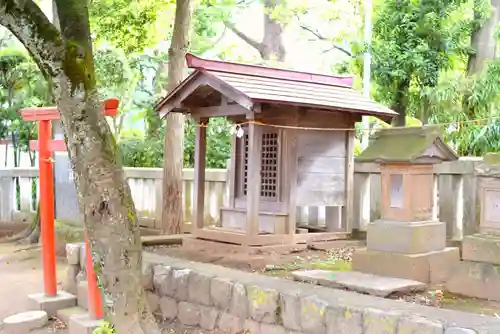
(281, 158)
(407, 156)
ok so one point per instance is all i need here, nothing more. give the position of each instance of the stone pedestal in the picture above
(409, 250)
(478, 275)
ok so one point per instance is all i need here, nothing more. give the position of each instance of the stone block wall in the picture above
(220, 300)
(229, 301)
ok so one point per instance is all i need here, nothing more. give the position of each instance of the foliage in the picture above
(129, 25)
(413, 42)
(104, 328)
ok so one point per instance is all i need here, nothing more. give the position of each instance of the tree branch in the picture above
(250, 41)
(32, 28)
(319, 36)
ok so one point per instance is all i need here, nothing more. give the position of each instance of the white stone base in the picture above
(52, 304)
(23, 323)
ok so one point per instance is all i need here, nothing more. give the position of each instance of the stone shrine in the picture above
(478, 275)
(408, 241)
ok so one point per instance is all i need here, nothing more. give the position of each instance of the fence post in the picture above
(6, 197)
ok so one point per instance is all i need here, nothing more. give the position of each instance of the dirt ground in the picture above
(282, 265)
(21, 275)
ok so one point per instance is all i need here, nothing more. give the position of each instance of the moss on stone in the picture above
(404, 145)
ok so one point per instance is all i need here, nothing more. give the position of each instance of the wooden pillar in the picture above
(199, 173)
(348, 214)
(253, 178)
(290, 178)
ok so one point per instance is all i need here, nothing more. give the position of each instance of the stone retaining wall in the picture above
(222, 300)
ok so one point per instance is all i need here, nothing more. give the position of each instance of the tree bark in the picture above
(67, 62)
(174, 132)
(271, 47)
(484, 46)
(400, 103)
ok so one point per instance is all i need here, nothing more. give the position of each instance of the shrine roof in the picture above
(407, 145)
(249, 84)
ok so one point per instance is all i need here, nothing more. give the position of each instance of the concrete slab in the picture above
(412, 237)
(82, 324)
(481, 248)
(83, 294)
(52, 304)
(432, 267)
(23, 323)
(360, 282)
(66, 313)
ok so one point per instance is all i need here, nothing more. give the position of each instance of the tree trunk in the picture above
(174, 132)
(271, 47)
(484, 46)
(400, 103)
(110, 219)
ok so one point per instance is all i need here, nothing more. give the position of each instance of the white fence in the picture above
(455, 181)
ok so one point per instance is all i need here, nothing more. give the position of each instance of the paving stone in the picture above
(262, 304)
(290, 310)
(24, 322)
(252, 326)
(188, 314)
(168, 307)
(73, 254)
(239, 301)
(344, 320)
(312, 315)
(459, 330)
(162, 280)
(230, 323)
(272, 329)
(180, 282)
(417, 325)
(208, 317)
(220, 292)
(380, 322)
(147, 276)
(360, 282)
(153, 301)
(199, 288)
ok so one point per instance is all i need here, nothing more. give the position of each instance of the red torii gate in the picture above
(46, 145)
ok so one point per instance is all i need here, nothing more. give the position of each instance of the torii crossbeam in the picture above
(46, 145)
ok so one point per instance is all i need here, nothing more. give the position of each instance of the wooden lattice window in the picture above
(269, 186)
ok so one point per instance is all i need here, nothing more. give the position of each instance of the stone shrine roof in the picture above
(407, 145)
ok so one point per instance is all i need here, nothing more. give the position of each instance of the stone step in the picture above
(67, 313)
(360, 282)
(83, 294)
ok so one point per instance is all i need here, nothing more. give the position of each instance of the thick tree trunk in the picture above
(271, 47)
(484, 41)
(66, 60)
(484, 46)
(174, 133)
(400, 103)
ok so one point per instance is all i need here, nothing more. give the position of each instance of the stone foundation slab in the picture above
(481, 248)
(406, 237)
(52, 304)
(432, 267)
(475, 279)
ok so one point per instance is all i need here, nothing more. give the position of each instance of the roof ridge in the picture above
(266, 71)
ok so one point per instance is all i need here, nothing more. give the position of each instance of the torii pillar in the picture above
(52, 300)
